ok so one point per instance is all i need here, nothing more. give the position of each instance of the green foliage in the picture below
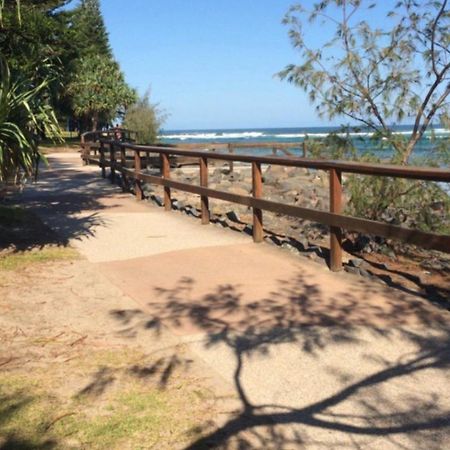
(376, 76)
(89, 31)
(44, 42)
(145, 119)
(36, 42)
(414, 204)
(334, 146)
(23, 116)
(52, 59)
(98, 90)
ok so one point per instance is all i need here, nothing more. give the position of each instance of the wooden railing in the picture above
(127, 158)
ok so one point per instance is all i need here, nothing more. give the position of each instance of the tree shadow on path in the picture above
(380, 365)
(63, 205)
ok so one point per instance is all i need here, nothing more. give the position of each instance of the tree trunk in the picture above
(409, 149)
(95, 121)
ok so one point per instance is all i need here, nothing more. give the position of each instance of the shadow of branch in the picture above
(299, 313)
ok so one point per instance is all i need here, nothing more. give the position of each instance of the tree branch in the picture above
(362, 89)
(433, 36)
(418, 134)
(425, 102)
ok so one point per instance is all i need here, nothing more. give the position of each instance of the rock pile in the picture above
(289, 185)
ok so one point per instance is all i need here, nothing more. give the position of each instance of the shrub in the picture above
(24, 114)
(145, 119)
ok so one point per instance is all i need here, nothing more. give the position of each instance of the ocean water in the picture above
(362, 140)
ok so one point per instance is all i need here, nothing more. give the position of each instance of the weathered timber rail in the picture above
(127, 158)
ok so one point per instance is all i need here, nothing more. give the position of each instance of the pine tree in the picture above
(89, 30)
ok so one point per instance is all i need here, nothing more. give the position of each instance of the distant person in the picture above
(117, 133)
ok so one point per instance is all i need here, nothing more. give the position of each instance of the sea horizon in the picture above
(247, 133)
(361, 139)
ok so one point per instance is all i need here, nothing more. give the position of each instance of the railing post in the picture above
(335, 232)
(304, 149)
(112, 160)
(102, 159)
(165, 169)
(257, 193)
(137, 183)
(204, 183)
(83, 149)
(123, 165)
(231, 151)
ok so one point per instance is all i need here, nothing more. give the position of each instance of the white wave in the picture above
(289, 135)
(354, 134)
(439, 131)
(210, 136)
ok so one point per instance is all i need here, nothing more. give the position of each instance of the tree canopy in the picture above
(55, 64)
(376, 75)
(89, 31)
(98, 90)
(53, 41)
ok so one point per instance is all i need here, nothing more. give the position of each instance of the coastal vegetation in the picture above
(24, 112)
(145, 119)
(57, 68)
(98, 91)
(376, 77)
(56, 41)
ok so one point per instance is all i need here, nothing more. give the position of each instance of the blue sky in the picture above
(209, 63)
(213, 63)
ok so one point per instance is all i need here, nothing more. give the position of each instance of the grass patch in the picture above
(71, 141)
(137, 416)
(19, 260)
(131, 414)
(31, 240)
(23, 411)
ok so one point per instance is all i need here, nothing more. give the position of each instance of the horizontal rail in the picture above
(391, 170)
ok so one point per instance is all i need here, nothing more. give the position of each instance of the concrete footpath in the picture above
(316, 359)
